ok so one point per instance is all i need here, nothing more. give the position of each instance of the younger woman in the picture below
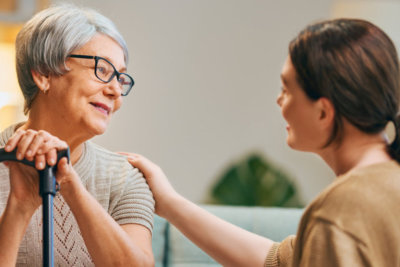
(340, 88)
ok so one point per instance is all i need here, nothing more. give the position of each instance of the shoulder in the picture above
(108, 164)
(114, 170)
(104, 154)
(368, 185)
(360, 199)
(131, 200)
(105, 158)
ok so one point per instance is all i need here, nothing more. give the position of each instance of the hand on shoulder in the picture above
(163, 192)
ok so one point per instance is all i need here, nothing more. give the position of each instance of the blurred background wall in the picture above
(207, 77)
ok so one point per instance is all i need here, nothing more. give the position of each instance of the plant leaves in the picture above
(255, 182)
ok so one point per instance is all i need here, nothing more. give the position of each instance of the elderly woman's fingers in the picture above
(40, 138)
(53, 143)
(48, 145)
(40, 161)
(51, 157)
(13, 141)
(24, 143)
(65, 175)
(63, 168)
(39, 146)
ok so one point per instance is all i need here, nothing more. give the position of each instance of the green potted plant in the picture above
(254, 181)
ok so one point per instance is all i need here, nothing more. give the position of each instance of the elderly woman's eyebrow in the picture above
(122, 69)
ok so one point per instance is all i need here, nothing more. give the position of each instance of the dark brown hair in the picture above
(355, 65)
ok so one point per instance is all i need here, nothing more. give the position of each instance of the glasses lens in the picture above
(126, 83)
(104, 70)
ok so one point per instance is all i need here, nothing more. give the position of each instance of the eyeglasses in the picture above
(105, 72)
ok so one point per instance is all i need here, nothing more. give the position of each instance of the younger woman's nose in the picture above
(279, 99)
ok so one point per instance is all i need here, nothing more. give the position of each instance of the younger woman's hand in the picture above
(163, 192)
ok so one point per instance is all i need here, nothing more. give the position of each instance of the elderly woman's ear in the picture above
(41, 81)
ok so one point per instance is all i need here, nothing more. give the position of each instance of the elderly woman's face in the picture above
(86, 102)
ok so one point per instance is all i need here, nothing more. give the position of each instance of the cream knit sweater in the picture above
(117, 186)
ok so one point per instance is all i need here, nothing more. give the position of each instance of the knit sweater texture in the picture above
(354, 222)
(119, 188)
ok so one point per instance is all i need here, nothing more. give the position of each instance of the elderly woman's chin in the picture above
(101, 127)
(95, 125)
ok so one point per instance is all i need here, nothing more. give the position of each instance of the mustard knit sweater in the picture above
(354, 222)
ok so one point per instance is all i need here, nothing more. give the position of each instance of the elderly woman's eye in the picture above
(122, 80)
(102, 70)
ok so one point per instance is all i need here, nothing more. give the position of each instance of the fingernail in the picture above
(52, 161)
(19, 156)
(40, 165)
(29, 152)
(8, 148)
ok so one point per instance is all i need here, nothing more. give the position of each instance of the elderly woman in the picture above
(71, 65)
(340, 88)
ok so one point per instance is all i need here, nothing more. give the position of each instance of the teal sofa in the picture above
(173, 249)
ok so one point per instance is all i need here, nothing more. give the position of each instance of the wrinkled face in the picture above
(300, 112)
(84, 101)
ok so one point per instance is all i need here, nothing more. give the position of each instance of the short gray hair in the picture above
(46, 40)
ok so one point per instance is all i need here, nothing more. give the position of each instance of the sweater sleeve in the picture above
(136, 203)
(281, 254)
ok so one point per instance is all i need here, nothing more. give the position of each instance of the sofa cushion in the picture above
(274, 223)
(159, 240)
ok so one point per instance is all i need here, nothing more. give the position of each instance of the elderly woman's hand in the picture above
(38, 146)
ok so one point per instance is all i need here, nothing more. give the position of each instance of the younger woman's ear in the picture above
(327, 111)
(41, 81)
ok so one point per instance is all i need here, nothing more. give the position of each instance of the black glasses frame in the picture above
(116, 73)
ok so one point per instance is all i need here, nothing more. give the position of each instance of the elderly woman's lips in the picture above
(102, 108)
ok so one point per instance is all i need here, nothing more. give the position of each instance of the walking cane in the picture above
(47, 190)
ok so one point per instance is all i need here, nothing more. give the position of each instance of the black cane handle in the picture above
(12, 156)
(47, 185)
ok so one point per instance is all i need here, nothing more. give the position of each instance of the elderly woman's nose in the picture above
(114, 88)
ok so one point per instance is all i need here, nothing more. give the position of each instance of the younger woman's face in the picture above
(300, 112)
